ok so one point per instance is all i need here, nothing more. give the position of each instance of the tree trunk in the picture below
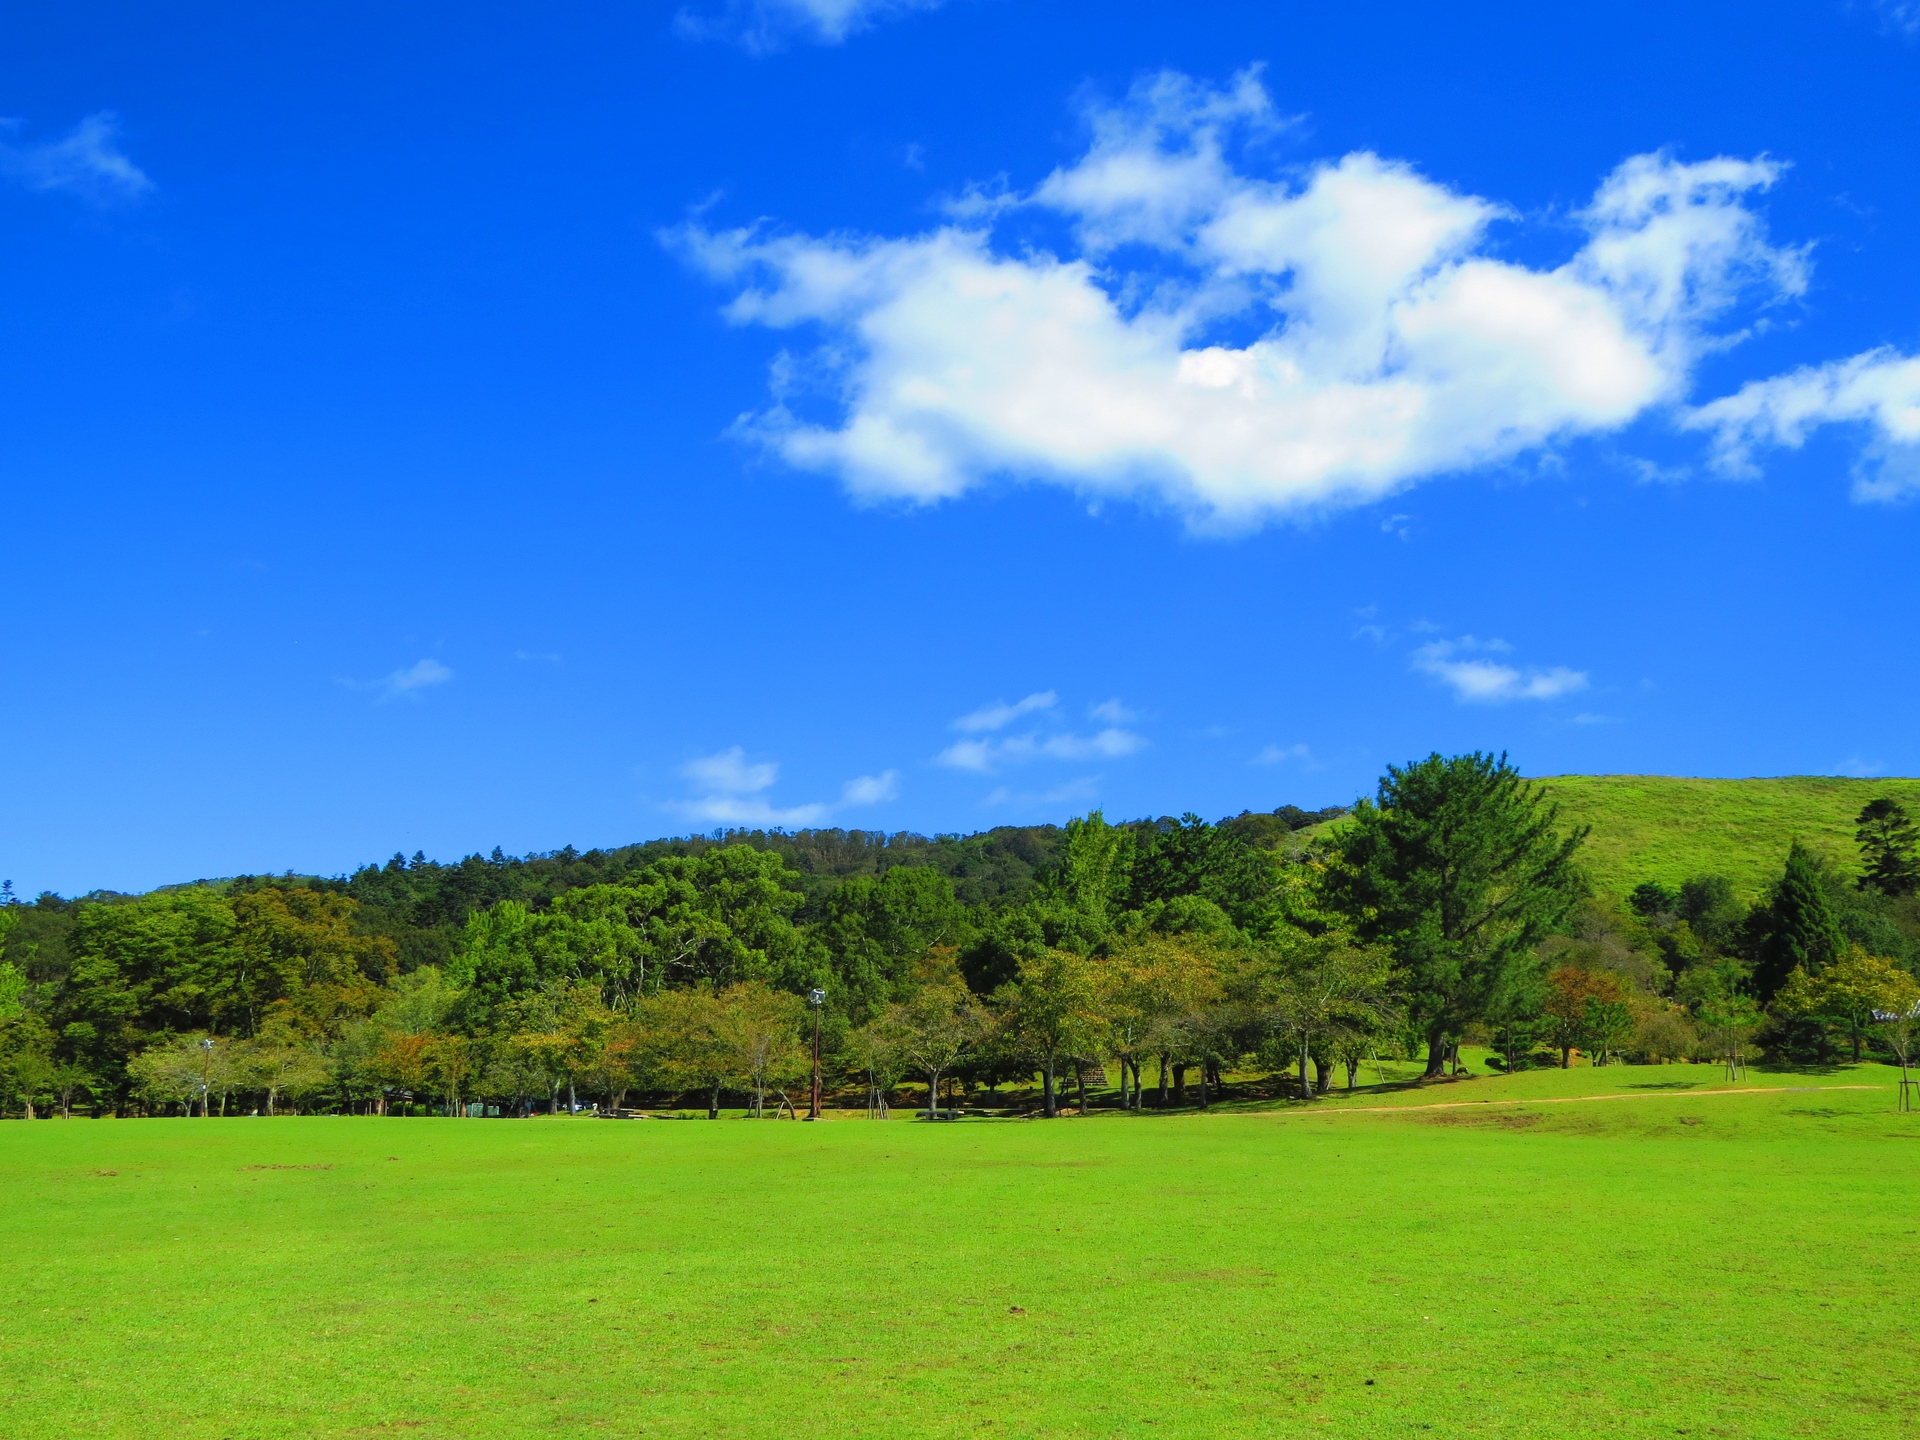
(713, 1104)
(1353, 1072)
(1436, 1055)
(933, 1094)
(1203, 1084)
(1179, 1084)
(1306, 1090)
(1052, 1111)
(1163, 1079)
(1566, 1057)
(573, 1101)
(1080, 1078)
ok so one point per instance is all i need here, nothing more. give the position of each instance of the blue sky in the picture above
(489, 424)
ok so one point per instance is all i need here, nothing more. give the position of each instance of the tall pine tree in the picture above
(1887, 848)
(1800, 929)
(1460, 867)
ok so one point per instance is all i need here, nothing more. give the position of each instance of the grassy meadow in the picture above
(1495, 1257)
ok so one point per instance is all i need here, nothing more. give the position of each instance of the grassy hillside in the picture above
(1660, 827)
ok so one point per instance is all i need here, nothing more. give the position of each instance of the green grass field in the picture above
(1668, 828)
(1678, 1262)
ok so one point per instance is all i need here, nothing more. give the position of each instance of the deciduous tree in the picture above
(937, 1025)
(1054, 1009)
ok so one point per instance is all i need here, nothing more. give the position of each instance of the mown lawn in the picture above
(1677, 1262)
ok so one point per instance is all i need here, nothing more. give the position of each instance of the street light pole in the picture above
(817, 999)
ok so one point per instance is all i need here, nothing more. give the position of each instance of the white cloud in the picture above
(735, 792)
(1113, 712)
(1000, 714)
(87, 162)
(729, 773)
(766, 25)
(1860, 769)
(871, 789)
(747, 810)
(1391, 344)
(986, 756)
(1879, 390)
(1482, 681)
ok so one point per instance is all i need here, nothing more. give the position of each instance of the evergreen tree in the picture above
(1888, 841)
(1461, 868)
(1651, 898)
(1799, 929)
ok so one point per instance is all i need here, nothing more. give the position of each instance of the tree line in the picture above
(1449, 908)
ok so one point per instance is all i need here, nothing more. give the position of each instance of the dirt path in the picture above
(1580, 1099)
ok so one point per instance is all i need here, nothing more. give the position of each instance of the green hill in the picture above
(1667, 828)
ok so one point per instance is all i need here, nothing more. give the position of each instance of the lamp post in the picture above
(816, 1000)
(206, 1077)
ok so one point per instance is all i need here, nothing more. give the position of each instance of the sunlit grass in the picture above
(1677, 1261)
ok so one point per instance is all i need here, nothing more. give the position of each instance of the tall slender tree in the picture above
(1798, 930)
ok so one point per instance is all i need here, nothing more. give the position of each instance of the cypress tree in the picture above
(1801, 930)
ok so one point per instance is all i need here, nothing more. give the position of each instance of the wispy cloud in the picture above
(733, 792)
(1901, 15)
(986, 756)
(1281, 754)
(1876, 393)
(87, 162)
(1112, 712)
(1860, 769)
(999, 715)
(763, 26)
(1463, 665)
(1074, 791)
(408, 684)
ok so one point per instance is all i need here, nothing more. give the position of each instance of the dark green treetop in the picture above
(1888, 842)
(1461, 867)
(1798, 927)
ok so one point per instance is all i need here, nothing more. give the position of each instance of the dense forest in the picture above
(1450, 908)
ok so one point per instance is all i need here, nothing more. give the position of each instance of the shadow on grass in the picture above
(1800, 1067)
